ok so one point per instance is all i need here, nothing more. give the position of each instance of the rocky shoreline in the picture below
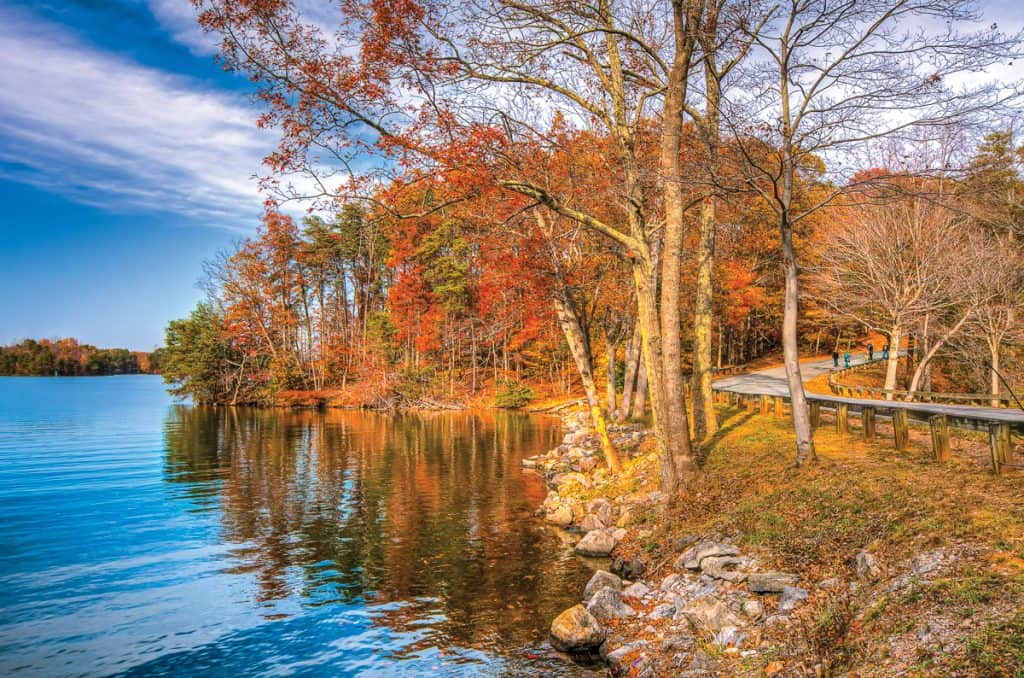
(713, 608)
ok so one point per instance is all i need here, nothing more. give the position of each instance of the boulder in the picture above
(636, 590)
(596, 543)
(770, 582)
(591, 522)
(730, 636)
(663, 611)
(724, 567)
(753, 609)
(602, 508)
(614, 658)
(607, 604)
(576, 630)
(670, 582)
(707, 613)
(792, 596)
(560, 515)
(692, 557)
(628, 568)
(866, 566)
(602, 579)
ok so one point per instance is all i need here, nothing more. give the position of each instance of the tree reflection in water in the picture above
(424, 518)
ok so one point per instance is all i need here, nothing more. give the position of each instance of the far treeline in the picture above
(528, 194)
(69, 358)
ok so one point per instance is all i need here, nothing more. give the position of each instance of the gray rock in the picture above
(692, 557)
(559, 515)
(724, 567)
(596, 543)
(591, 522)
(616, 656)
(681, 543)
(866, 566)
(602, 579)
(670, 582)
(607, 604)
(576, 630)
(730, 636)
(926, 563)
(709, 614)
(792, 596)
(602, 508)
(753, 609)
(776, 620)
(628, 568)
(636, 590)
(770, 582)
(663, 611)
(831, 584)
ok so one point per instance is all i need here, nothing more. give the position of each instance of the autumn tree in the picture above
(831, 79)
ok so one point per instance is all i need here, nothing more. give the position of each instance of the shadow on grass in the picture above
(728, 420)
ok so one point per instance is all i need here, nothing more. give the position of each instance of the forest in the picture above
(506, 201)
(69, 358)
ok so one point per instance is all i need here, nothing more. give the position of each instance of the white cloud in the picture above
(103, 130)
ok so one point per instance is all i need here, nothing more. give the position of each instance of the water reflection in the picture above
(421, 519)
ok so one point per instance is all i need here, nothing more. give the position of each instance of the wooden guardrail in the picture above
(874, 393)
(1001, 426)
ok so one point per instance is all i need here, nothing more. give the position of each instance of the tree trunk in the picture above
(610, 347)
(994, 371)
(791, 352)
(631, 374)
(640, 399)
(705, 423)
(579, 346)
(895, 337)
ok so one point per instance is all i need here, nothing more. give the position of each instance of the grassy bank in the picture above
(963, 526)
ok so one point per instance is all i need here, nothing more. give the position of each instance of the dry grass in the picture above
(866, 495)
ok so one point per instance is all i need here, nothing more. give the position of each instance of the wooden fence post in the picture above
(999, 444)
(940, 436)
(842, 418)
(764, 404)
(815, 408)
(867, 420)
(779, 408)
(900, 431)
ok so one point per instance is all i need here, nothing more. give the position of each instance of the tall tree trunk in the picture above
(640, 398)
(791, 352)
(922, 372)
(672, 395)
(631, 374)
(610, 347)
(579, 346)
(666, 432)
(705, 423)
(993, 350)
(892, 365)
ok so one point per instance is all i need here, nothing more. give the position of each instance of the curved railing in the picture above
(874, 393)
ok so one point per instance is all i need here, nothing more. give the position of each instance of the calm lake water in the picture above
(138, 536)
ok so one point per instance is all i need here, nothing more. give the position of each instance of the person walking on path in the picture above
(885, 352)
(871, 351)
(835, 358)
(846, 359)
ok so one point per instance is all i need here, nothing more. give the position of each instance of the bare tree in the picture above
(889, 267)
(826, 79)
(998, 320)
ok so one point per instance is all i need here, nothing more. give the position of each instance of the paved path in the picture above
(772, 382)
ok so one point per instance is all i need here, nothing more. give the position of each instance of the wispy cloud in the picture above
(104, 130)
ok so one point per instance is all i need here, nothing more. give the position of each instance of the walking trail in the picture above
(772, 382)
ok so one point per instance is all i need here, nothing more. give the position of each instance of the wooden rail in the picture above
(1000, 426)
(874, 393)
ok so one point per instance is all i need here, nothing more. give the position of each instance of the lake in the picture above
(144, 537)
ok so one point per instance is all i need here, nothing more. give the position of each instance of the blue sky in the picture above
(126, 159)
